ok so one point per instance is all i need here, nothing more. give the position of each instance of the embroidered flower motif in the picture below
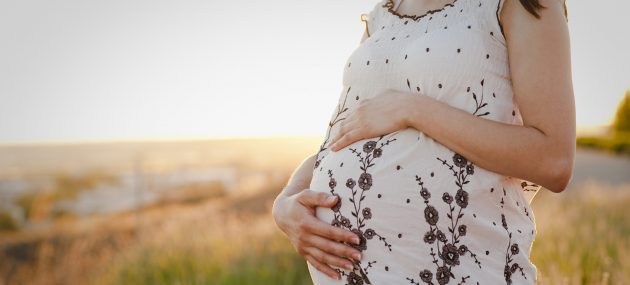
(461, 198)
(431, 215)
(463, 249)
(369, 233)
(369, 146)
(514, 249)
(426, 275)
(378, 152)
(430, 237)
(350, 183)
(459, 160)
(443, 274)
(425, 193)
(365, 181)
(514, 267)
(367, 213)
(450, 254)
(332, 183)
(461, 230)
(470, 169)
(447, 198)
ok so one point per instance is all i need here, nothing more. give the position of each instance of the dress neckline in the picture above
(389, 7)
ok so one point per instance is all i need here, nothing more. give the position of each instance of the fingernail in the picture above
(356, 256)
(349, 266)
(331, 199)
(356, 240)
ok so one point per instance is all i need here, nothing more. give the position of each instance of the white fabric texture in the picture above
(425, 214)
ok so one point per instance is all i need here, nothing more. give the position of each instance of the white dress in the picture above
(425, 214)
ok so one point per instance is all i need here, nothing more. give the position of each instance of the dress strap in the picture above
(364, 19)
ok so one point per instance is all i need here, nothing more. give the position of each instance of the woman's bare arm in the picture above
(541, 151)
(300, 178)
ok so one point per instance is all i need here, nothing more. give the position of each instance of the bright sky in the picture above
(118, 69)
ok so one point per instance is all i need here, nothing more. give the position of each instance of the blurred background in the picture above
(143, 142)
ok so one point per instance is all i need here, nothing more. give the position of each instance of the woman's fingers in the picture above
(344, 127)
(320, 228)
(334, 250)
(348, 138)
(310, 223)
(323, 267)
(313, 199)
(320, 242)
(329, 259)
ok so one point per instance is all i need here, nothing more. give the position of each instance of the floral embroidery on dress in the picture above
(336, 119)
(512, 249)
(360, 213)
(447, 254)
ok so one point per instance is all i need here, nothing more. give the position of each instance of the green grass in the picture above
(266, 260)
(7, 223)
(615, 142)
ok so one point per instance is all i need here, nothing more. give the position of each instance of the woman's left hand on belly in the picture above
(372, 117)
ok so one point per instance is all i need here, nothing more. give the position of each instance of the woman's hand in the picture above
(314, 239)
(380, 115)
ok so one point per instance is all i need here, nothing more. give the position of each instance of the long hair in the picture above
(533, 6)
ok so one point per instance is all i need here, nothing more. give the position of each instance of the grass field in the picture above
(583, 238)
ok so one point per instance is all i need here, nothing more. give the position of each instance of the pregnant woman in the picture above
(452, 116)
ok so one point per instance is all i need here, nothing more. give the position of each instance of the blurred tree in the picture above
(622, 117)
(7, 223)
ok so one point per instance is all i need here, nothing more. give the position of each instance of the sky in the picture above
(82, 70)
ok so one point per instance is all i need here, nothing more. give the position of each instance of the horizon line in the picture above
(586, 129)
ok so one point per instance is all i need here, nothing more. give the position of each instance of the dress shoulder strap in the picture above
(373, 18)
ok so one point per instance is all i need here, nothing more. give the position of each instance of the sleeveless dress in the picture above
(424, 213)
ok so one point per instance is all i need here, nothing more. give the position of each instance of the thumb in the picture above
(314, 198)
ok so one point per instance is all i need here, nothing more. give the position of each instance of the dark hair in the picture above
(533, 6)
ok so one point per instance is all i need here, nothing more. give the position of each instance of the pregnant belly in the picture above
(413, 201)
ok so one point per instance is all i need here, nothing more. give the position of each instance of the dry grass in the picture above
(583, 238)
(208, 235)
